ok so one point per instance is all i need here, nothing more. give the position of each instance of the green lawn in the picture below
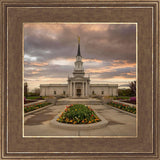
(121, 97)
(34, 97)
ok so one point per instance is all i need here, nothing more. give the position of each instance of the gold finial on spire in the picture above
(78, 39)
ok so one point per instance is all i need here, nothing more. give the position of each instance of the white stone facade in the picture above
(86, 91)
(53, 89)
(79, 86)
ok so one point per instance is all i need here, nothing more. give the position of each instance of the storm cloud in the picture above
(108, 51)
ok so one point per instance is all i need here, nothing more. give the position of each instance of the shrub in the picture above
(78, 114)
(133, 99)
(132, 86)
(124, 92)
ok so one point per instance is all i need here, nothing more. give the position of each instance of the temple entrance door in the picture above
(78, 92)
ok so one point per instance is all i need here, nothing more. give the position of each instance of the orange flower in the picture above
(67, 120)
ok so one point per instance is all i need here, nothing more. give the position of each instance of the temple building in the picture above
(79, 85)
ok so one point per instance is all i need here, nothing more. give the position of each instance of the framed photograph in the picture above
(80, 79)
(96, 93)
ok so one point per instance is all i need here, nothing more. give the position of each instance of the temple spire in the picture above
(78, 39)
(78, 53)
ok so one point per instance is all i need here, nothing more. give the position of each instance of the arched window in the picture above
(93, 92)
(54, 92)
(102, 92)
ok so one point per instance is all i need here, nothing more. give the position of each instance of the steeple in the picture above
(78, 53)
(78, 65)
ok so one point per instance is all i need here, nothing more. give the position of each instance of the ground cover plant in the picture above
(35, 106)
(78, 114)
(123, 107)
(120, 97)
(35, 97)
(132, 100)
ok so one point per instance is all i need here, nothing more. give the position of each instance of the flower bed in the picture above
(35, 106)
(123, 107)
(78, 114)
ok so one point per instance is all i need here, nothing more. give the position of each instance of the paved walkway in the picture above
(120, 123)
(75, 99)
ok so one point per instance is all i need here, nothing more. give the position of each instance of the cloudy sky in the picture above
(108, 51)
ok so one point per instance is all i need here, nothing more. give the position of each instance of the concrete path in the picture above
(74, 99)
(87, 101)
(120, 123)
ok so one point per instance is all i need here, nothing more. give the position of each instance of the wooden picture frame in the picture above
(16, 12)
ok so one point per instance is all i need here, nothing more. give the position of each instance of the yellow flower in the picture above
(89, 122)
(75, 109)
(58, 119)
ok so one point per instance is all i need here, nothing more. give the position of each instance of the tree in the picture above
(26, 89)
(37, 91)
(124, 92)
(132, 86)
